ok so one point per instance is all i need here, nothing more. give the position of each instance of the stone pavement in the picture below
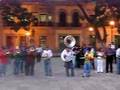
(59, 81)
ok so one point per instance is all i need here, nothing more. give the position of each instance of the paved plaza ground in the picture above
(59, 81)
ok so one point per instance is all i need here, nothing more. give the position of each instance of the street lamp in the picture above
(112, 24)
(91, 29)
(27, 33)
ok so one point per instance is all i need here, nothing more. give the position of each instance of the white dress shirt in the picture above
(118, 52)
(67, 56)
(47, 53)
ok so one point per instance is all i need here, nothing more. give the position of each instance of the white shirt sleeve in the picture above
(50, 54)
(117, 52)
(47, 53)
(44, 54)
(63, 55)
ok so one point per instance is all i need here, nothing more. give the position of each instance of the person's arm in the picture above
(43, 54)
(50, 53)
(63, 56)
(118, 53)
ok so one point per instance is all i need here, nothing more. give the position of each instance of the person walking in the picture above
(67, 56)
(47, 56)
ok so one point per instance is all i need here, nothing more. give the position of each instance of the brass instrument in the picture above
(31, 49)
(69, 41)
(7, 52)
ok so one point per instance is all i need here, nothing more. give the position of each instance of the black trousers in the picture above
(92, 64)
(29, 68)
(114, 58)
(77, 61)
(69, 67)
(109, 62)
(38, 57)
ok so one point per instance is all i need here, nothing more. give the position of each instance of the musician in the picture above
(79, 54)
(3, 62)
(87, 64)
(47, 55)
(67, 56)
(93, 52)
(39, 51)
(100, 60)
(23, 50)
(17, 61)
(30, 61)
(109, 52)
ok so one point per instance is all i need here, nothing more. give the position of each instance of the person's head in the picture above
(17, 49)
(109, 46)
(31, 49)
(92, 49)
(88, 50)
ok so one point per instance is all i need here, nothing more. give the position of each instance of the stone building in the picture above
(57, 19)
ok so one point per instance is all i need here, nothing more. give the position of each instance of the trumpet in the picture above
(7, 52)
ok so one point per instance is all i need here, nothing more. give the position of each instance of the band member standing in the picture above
(92, 52)
(23, 50)
(17, 61)
(87, 64)
(109, 52)
(114, 53)
(47, 55)
(100, 59)
(67, 56)
(76, 49)
(3, 62)
(30, 61)
(39, 51)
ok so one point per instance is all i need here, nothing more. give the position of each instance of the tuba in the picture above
(69, 41)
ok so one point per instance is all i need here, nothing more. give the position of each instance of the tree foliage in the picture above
(16, 16)
(103, 13)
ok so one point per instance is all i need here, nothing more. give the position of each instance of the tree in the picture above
(16, 16)
(103, 14)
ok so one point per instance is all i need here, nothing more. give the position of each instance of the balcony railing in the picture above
(50, 24)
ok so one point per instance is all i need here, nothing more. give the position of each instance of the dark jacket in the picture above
(30, 57)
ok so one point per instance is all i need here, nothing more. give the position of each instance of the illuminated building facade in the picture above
(55, 20)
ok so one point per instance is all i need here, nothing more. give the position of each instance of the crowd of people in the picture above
(90, 58)
(86, 58)
(23, 58)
